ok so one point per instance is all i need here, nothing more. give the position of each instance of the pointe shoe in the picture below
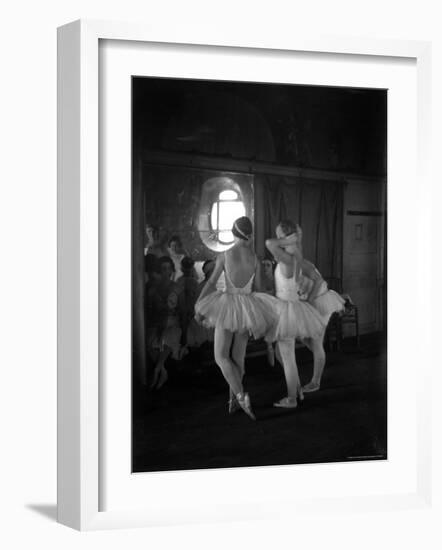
(310, 387)
(234, 406)
(233, 403)
(244, 402)
(286, 403)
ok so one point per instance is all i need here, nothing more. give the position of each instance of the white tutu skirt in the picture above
(296, 319)
(255, 313)
(329, 303)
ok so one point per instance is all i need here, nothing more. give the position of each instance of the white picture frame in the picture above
(79, 264)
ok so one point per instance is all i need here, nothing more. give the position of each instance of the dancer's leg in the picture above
(239, 351)
(286, 350)
(239, 347)
(160, 375)
(316, 346)
(223, 340)
(278, 355)
(238, 356)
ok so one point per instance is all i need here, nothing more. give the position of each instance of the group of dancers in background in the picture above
(296, 306)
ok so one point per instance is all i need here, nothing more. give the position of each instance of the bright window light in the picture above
(224, 212)
(228, 195)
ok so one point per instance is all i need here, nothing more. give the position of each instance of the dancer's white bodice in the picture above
(286, 289)
(232, 289)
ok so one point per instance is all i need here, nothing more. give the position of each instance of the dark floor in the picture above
(185, 425)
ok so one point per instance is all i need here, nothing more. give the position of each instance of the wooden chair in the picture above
(350, 316)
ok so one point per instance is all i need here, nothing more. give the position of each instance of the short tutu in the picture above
(253, 312)
(328, 303)
(296, 320)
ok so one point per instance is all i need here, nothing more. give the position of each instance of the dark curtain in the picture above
(316, 205)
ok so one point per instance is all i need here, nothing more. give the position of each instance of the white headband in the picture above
(241, 232)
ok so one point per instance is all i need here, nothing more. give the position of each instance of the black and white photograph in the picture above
(221, 229)
(259, 274)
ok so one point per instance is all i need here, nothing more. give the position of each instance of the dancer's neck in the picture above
(243, 243)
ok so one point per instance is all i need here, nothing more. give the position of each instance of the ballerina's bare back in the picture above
(240, 265)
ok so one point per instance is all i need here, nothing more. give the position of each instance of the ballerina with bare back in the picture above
(236, 312)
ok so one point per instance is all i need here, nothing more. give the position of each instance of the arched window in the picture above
(223, 200)
(225, 210)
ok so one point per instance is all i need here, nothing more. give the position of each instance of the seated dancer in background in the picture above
(296, 319)
(151, 271)
(236, 312)
(187, 288)
(208, 267)
(314, 290)
(153, 243)
(163, 332)
(268, 276)
(189, 279)
(176, 252)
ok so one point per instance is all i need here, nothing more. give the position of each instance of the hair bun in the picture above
(243, 228)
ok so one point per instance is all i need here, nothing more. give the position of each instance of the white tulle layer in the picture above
(329, 303)
(255, 312)
(296, 319)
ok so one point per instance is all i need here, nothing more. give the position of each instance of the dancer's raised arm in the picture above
(277, 248)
